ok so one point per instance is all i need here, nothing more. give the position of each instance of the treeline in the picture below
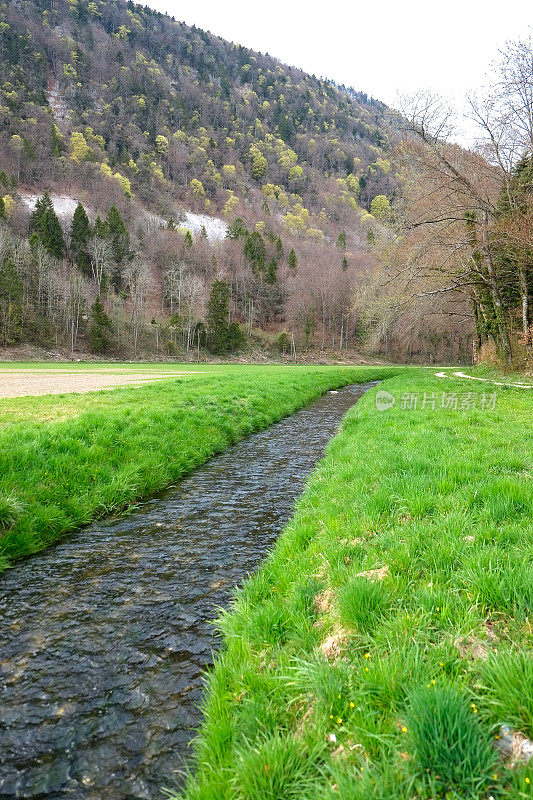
(56, 289)
(459, 245)
(150, 287)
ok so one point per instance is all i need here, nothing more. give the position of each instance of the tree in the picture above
(138, 282)
(99, 332)
(80, 233)
(254, 251)
(120, 242)
(51, 234)
(11, 292)
(42, 205)
(237, 229)
(221, 336)
(259, 166)
(380, 207)
(271, 273)
(293, 259)
(100, 260)
(341, 241)
(217, 317)
(45, 224)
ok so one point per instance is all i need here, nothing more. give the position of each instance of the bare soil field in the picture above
(56, 381)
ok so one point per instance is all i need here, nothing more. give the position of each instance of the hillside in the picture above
(174, 129)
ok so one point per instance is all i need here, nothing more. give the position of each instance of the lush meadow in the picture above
(387, 637)
(67, 459)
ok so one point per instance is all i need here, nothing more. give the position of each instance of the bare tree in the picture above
(99, 251)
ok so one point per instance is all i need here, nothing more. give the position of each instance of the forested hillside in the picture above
(219, 188)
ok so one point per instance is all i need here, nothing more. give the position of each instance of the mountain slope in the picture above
(166, 102)
(114, 104)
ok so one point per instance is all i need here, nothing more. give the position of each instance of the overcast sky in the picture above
(377, 46)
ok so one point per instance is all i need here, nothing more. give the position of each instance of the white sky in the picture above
(381, 47)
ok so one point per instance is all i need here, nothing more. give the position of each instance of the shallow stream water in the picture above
(105, 636)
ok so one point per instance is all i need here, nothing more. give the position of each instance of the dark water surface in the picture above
(104, 637)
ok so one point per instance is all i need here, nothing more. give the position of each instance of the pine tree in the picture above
(2, 208)
(293, 259)
(42, 205)
(100, 227)
(45, 224)
(272, 272)
(80, 232)
(120, 244)
(52, 234)
(237, 229)
(254, 251)
(120, 238)
(99, 332)
(217, 317)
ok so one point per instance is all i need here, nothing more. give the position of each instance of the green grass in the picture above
(67, 459)
(355, 687)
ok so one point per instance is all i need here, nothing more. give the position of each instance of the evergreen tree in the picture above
(221, 337)
(119, 236)
(51, 234)
(45, 224)
(344, 264)
(120, 244)
(80, 232)
(272, 272)
(99, 332)
(42, 205)
(100, 227)
(293, 259)
(217, 317)
(237, 229)
(254, 251)
(2, 208)
(341, 241)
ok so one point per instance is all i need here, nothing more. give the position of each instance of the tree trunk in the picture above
(525, 308)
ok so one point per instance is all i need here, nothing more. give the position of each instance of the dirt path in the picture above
(485, 380)
(38, 382)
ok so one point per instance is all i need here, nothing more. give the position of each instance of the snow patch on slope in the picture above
(215, 227)
(64, 206)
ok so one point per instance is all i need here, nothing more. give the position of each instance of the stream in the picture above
(105, 636)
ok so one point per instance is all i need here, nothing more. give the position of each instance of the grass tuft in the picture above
(278, 768)
(362, 602)
(508, 682)
(448, 743)
(10, 511)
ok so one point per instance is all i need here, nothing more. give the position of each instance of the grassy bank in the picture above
(66, 459)
(388, 636)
